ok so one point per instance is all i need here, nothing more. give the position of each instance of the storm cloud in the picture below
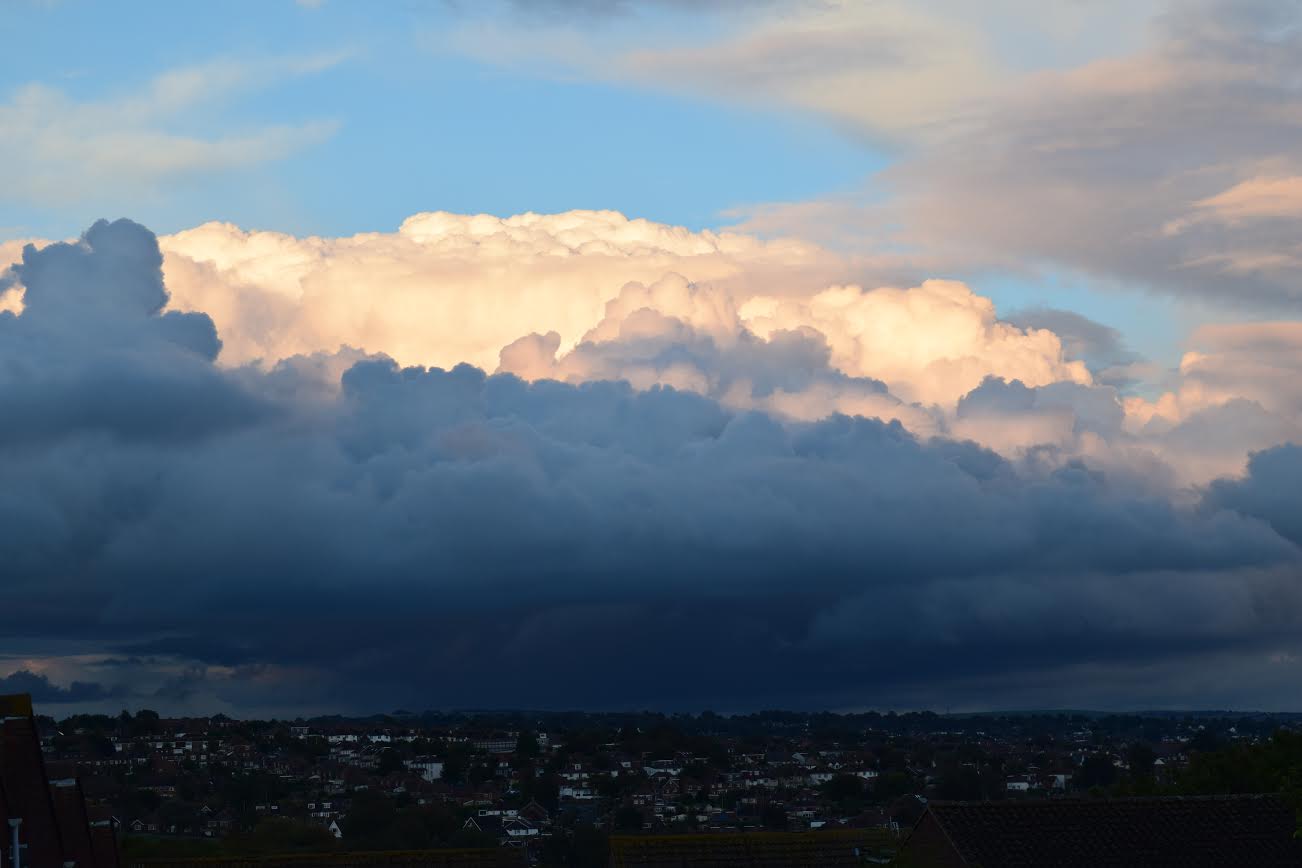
(339, 531)
(43, 691)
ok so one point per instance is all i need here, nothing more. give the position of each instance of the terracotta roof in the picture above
(48, 798)
(74, 825)
(1221, 831)
(105, 842)
(103, 837)
(16, 705)
(23, 772)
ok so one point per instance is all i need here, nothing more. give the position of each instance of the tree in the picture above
(145, 722)
(960, 783)
(628, 819)
(844, 788)
(891, 785)
(1096, 771)
(142, 801)
(455, 766)
(1142, 760)
(390, 762)
(1261, 768)
(367, 820)
(526, 746)
(773, 817)
(544, 789)
(1206, 741)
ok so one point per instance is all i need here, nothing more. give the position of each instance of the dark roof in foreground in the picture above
(497, 857)
(744, 850)
(1220, 831)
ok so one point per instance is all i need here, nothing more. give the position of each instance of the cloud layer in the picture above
(335, 529)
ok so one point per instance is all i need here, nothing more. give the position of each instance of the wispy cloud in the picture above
(886, 71)
(1159, 155)
(57, 149)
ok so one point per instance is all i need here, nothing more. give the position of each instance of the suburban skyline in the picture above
(624, 354)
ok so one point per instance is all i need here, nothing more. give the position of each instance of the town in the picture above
(555, 786)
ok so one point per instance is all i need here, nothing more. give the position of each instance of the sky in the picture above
(651, 354)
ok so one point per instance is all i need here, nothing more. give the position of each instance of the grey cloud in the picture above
(1092, 408)
(586, 10)
(1271, 490)
(44, 691)
(1102, 168)
(94, 351)
(1236, 426)
(1100, 347)
(656, 348)
(440, 537)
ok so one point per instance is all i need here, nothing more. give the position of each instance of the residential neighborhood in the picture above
(555, 786)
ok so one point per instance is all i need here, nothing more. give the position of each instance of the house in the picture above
(43, 806)
(74, 822)
(1211, 831)
(535, 813)
(516, 829)
(506, 826)
(103, 833)
(428, 768)
(495, 745)
(218, 822)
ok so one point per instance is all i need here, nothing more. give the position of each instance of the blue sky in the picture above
(416, 130)
(413, 127)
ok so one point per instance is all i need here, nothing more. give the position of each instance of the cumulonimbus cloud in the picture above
(767, 325)
(773, 325)
(448, 288)
(452, 288)
(455, 528)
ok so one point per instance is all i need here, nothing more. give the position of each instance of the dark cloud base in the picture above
(427, 538)
(45, 692)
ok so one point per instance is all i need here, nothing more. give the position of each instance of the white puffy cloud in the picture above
(752, 324)
(1238, 389)
(448, 288)
(932, 343)
(1258, 361)
(11, 299)
(690, 337)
